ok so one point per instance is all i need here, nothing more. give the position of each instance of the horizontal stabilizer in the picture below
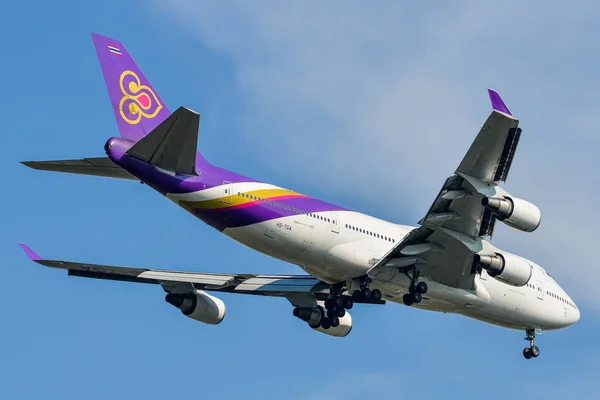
(172, 145)
(99, 166)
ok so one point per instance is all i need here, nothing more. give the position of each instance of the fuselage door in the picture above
(227, 192)
(540, 290)
(335, 223)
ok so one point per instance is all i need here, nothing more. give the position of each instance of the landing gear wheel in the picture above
(408, 299)
(329, 303)
(532, 350)
(375, 295)
(325, 324)
(338, 302)
(535, 351)
(417, 297)
(334, 320)
(348, 303)
(366, 293)
(357, 295)
(340, 312)
(421, 287)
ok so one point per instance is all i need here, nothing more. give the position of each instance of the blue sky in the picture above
(370, 107)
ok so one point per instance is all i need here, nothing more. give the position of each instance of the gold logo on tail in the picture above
(138, 100)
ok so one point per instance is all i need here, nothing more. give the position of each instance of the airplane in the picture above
(446, 264)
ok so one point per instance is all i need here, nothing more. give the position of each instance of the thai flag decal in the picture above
(114, 50)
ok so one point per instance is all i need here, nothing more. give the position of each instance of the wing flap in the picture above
(98, 166)
(202, 279)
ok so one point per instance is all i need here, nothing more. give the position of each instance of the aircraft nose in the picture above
(575, 315)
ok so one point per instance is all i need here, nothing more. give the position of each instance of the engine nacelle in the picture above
(510, 269)
(514, 212)
(314, 317)
(200, 306)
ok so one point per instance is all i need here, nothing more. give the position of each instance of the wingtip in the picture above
(497, 102)
(33, 256)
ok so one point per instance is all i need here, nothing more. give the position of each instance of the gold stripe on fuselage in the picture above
(244, 198)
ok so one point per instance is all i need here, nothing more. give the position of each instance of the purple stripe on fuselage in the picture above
(261, 212)
(210, 177)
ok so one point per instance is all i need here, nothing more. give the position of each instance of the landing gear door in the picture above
(227, 192)
(335, 223)
(540, 290)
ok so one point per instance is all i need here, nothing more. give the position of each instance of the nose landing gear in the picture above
(532, 350)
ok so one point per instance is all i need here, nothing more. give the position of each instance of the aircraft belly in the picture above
(287, 239)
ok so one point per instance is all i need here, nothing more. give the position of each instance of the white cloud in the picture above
(382, 100)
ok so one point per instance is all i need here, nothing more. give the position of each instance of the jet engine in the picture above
(510, 269)
(200, 306)
(514, 212)
(315, 317)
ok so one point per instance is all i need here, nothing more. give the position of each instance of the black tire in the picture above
(411, 288)
(357, 295)
(408, 299)
(417, 297)
(340, 312)
(325, 324)
(422, 287)
(348, 303)
(334, 320)
(375, 295)
(338, 302)
(329, 303)
(366, 293)
(527, 353)
(535, 351)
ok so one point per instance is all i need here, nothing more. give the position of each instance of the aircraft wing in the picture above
(296, 288)
(444, 244)
(97, 166)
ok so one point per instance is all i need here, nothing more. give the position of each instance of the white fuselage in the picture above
(342, 245)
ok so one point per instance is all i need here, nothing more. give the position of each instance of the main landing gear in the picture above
(336, 304)
(416, 289)
(532, 350)
(364, 293)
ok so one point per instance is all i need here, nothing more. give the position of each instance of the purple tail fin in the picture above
(137, 106)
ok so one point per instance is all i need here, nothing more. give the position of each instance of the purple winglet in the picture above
(30, 253)
(497, 103)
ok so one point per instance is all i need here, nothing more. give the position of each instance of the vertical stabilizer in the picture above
(137, 106)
